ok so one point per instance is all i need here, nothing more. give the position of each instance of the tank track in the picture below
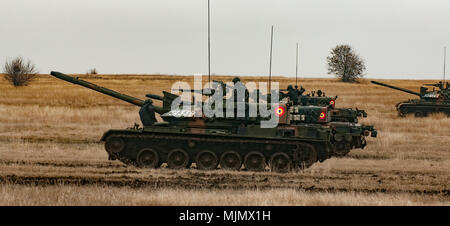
(420, 110)
(253, 153)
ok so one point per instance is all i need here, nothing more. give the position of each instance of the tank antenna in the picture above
(209, 50)
(270, 63)
(445, 53)
(296, 65)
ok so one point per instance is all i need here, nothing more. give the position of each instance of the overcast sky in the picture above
(396, 38)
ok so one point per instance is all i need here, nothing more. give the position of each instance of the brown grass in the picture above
(101, 195)
(50, 150)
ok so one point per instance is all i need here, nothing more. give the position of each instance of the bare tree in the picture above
(345, 63)
(19, 73)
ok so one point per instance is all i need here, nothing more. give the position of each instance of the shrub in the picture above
(92, 72)
(19, 73)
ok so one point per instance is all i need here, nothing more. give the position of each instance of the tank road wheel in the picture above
(114, 145)
(308, 156)
(401, 110)
(230, 160)
(401, 113)
(280, 162)
(418, 114)
(148, 158)
(207, 160)
(255, 161)
(341, 149)
(178, 159)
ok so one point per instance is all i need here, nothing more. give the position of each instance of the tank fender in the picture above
(111, 132)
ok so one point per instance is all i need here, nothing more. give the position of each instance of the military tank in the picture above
(345, 120)
(304, 135)
(435, 101)
(319, 98)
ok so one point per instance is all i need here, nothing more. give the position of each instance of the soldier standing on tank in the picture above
(292, 94)
(147, 113)
(300, 91)
(440, 85)
(319, 93)
(238, 85)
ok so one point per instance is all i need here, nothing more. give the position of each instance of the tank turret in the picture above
(337, 114)
(440, 85)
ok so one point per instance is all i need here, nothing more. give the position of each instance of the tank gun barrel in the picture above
(222, 83)
(397, 88)
(124, 97)
(153, 96)
(206, 91)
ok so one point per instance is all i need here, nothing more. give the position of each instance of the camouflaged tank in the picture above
(436, 101)
(304, 135)
(343, 120)
(337, 114)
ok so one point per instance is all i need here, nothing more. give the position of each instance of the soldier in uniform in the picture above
(440, 85)
(292, 94)
(238, 85)
(319, 93)
(147, 113)
(301, 91)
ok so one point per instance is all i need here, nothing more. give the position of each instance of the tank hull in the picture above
(421, 109)
(307, 145)
(302, 153)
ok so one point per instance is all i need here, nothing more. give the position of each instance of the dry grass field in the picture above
(50, 152)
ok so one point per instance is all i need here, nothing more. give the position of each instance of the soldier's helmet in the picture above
(236, 79)
(148, 101)
(289, 87)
